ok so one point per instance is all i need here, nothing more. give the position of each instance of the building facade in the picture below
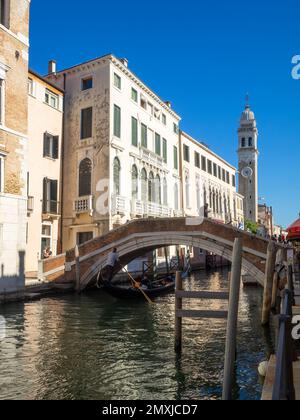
(45, 121)
(14, 45)
(209, 184)
(248, 163)
(122, 144)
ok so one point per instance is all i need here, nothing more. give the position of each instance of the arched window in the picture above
(225, 206)
(187, 191)
(205, 196)
(220, 203)
(176, 200)
(85, 177)
(151, 188)
(144, 185)
(217, 202)
(117, 176)
(134, 182)
(165, 192)
(157, 190)
(210, 198)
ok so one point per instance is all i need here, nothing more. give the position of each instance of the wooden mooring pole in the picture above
(178, 320)
(279, 262)
(268, 287)
(77, 269)
(231, 335)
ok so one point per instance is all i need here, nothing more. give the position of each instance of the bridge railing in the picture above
(285, 356)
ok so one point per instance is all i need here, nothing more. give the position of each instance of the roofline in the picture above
(125, 70)
(42, 78)
(207, 149)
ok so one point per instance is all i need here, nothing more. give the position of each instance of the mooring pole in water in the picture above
(154, 263)
(231, 334)
(77, 269)
(167, 261)
(268, 286)
(279, 262)
(178, 320)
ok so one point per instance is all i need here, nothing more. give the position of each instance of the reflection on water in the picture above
(96, 347)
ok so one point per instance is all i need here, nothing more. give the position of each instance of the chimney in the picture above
(168, 103)
(124, 61)
(52, 67)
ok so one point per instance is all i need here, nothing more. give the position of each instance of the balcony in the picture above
(30, 204)
(118, 205)
(156, 210)
(151, 157)
(84, 205)
(51, 209)
(137, 208)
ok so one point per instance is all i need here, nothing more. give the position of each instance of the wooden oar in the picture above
(138, 287)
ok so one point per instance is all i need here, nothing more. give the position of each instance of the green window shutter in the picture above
(86, 123)
(117, 121)
(175, 158)
(55, 147)
(134, 131)
(144, 139)
(157, 144)
(165, 152)
(46, 149)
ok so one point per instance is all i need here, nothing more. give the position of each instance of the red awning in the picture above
(294, 230)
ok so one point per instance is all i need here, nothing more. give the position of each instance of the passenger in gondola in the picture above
(146, 282)
(111, 263)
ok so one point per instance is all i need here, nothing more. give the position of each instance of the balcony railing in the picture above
(30, 204)
(118, 205)
(84, 205)
(157, 210)
(137, 208)
(51, 207)
(151, 157)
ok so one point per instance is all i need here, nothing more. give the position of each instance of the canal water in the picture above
(97, 347)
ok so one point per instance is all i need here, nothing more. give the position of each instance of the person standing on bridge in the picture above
(111, 262)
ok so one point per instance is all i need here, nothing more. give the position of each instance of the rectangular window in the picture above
(157, 144)
(223, 175)
(46, 238)
(83, 237)
(150, 108)
(86, 123)
(233, 181)
(134, 95)
(30, 87)
(50, 194)
(165, 151)
(186, 153)
(134, 131)
(51, 99)
(175, 150)
(175, 128)
(50, 146)
(215, 170)
(144, 139)
(87, 83)
(209, 166)
(157, 113)
(219, 172)
(117, 81)
(1, 174)
(164, 119)
(117, 121)
(143, 103)
(197, 160)
(203, 163)
(4, 13)
(227, 177)
(2, 101)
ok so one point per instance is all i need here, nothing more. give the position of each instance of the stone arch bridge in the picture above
(144, 235)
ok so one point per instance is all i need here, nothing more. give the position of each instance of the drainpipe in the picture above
(62, 166)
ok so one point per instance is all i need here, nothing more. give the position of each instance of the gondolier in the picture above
(111, 263)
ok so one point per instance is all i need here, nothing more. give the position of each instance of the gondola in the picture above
(158, 288)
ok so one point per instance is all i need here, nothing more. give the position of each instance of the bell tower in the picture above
(248, 162)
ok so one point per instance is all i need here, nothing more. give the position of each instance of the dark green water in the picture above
(96, 347)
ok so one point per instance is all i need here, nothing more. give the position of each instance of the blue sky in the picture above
(203, 56)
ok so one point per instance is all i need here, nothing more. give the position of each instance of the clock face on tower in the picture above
(247, 172)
